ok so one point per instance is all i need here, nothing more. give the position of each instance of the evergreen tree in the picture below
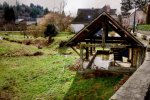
(126, 5)
(46, 11)
(130, 4)
(9, 14)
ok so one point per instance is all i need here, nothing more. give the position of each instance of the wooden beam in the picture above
(91, 61)
(87, 30)
(91, 48)
(109, 38)
(104, 33)
(108, 41)
(100, 45)
(87, 52)
(75, 51)
(134, 57)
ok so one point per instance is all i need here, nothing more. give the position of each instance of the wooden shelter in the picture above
(97, 35)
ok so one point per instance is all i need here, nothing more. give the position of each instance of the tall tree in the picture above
(9, 14)
(130, 4)
(126, 5)
(46, 11)
(148, 15)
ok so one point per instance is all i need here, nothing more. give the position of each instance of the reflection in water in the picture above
(101, 62)
(103, 57)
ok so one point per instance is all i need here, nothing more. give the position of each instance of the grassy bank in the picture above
(143, 27)
(48, 76)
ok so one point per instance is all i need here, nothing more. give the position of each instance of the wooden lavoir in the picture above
(97, 36)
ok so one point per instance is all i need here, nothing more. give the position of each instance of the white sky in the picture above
(72, 5)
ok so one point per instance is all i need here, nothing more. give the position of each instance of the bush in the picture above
(50, 30)
(35, 31)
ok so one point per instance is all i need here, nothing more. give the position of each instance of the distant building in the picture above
(125, 19)
(84, 16)
(128, 18)
(21, 24)
(139, 19)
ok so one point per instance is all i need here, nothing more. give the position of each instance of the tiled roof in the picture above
(87, 15)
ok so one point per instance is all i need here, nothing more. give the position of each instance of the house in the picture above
(140, 17)
(84, 16)
(21, 24)
(128, 18)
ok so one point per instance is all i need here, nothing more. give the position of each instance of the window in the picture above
(89, 17)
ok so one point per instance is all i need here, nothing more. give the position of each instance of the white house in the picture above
(140, 17)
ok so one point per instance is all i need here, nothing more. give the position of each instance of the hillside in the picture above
(49, 76)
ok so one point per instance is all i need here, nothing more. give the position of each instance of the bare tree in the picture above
(62, 7)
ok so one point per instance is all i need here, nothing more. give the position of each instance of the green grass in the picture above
(144, 27)
(48, 77)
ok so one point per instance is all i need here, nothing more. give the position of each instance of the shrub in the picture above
(50, 30)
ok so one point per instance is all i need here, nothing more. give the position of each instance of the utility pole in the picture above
(17, 9)
(134, 23)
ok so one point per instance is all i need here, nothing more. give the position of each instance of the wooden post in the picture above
(94, 47)
(139, 57)
(130, 55)
(104, 34)
(81, 57)
(91, 51)
(134, 57)
(91, 48)
(87, 53)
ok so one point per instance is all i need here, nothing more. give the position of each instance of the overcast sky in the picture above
(72, 5)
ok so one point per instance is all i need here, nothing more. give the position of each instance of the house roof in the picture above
(87, 15)
(93, 27)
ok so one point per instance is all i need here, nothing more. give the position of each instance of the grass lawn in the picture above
(143, 27)
(47, 77)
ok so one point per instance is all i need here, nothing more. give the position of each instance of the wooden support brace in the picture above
(75, 51)
(86, 30)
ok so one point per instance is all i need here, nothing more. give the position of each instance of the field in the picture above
(48, 76)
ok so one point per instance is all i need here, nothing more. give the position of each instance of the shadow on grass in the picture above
(89, 86)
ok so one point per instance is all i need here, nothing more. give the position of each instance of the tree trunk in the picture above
(148, 15)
